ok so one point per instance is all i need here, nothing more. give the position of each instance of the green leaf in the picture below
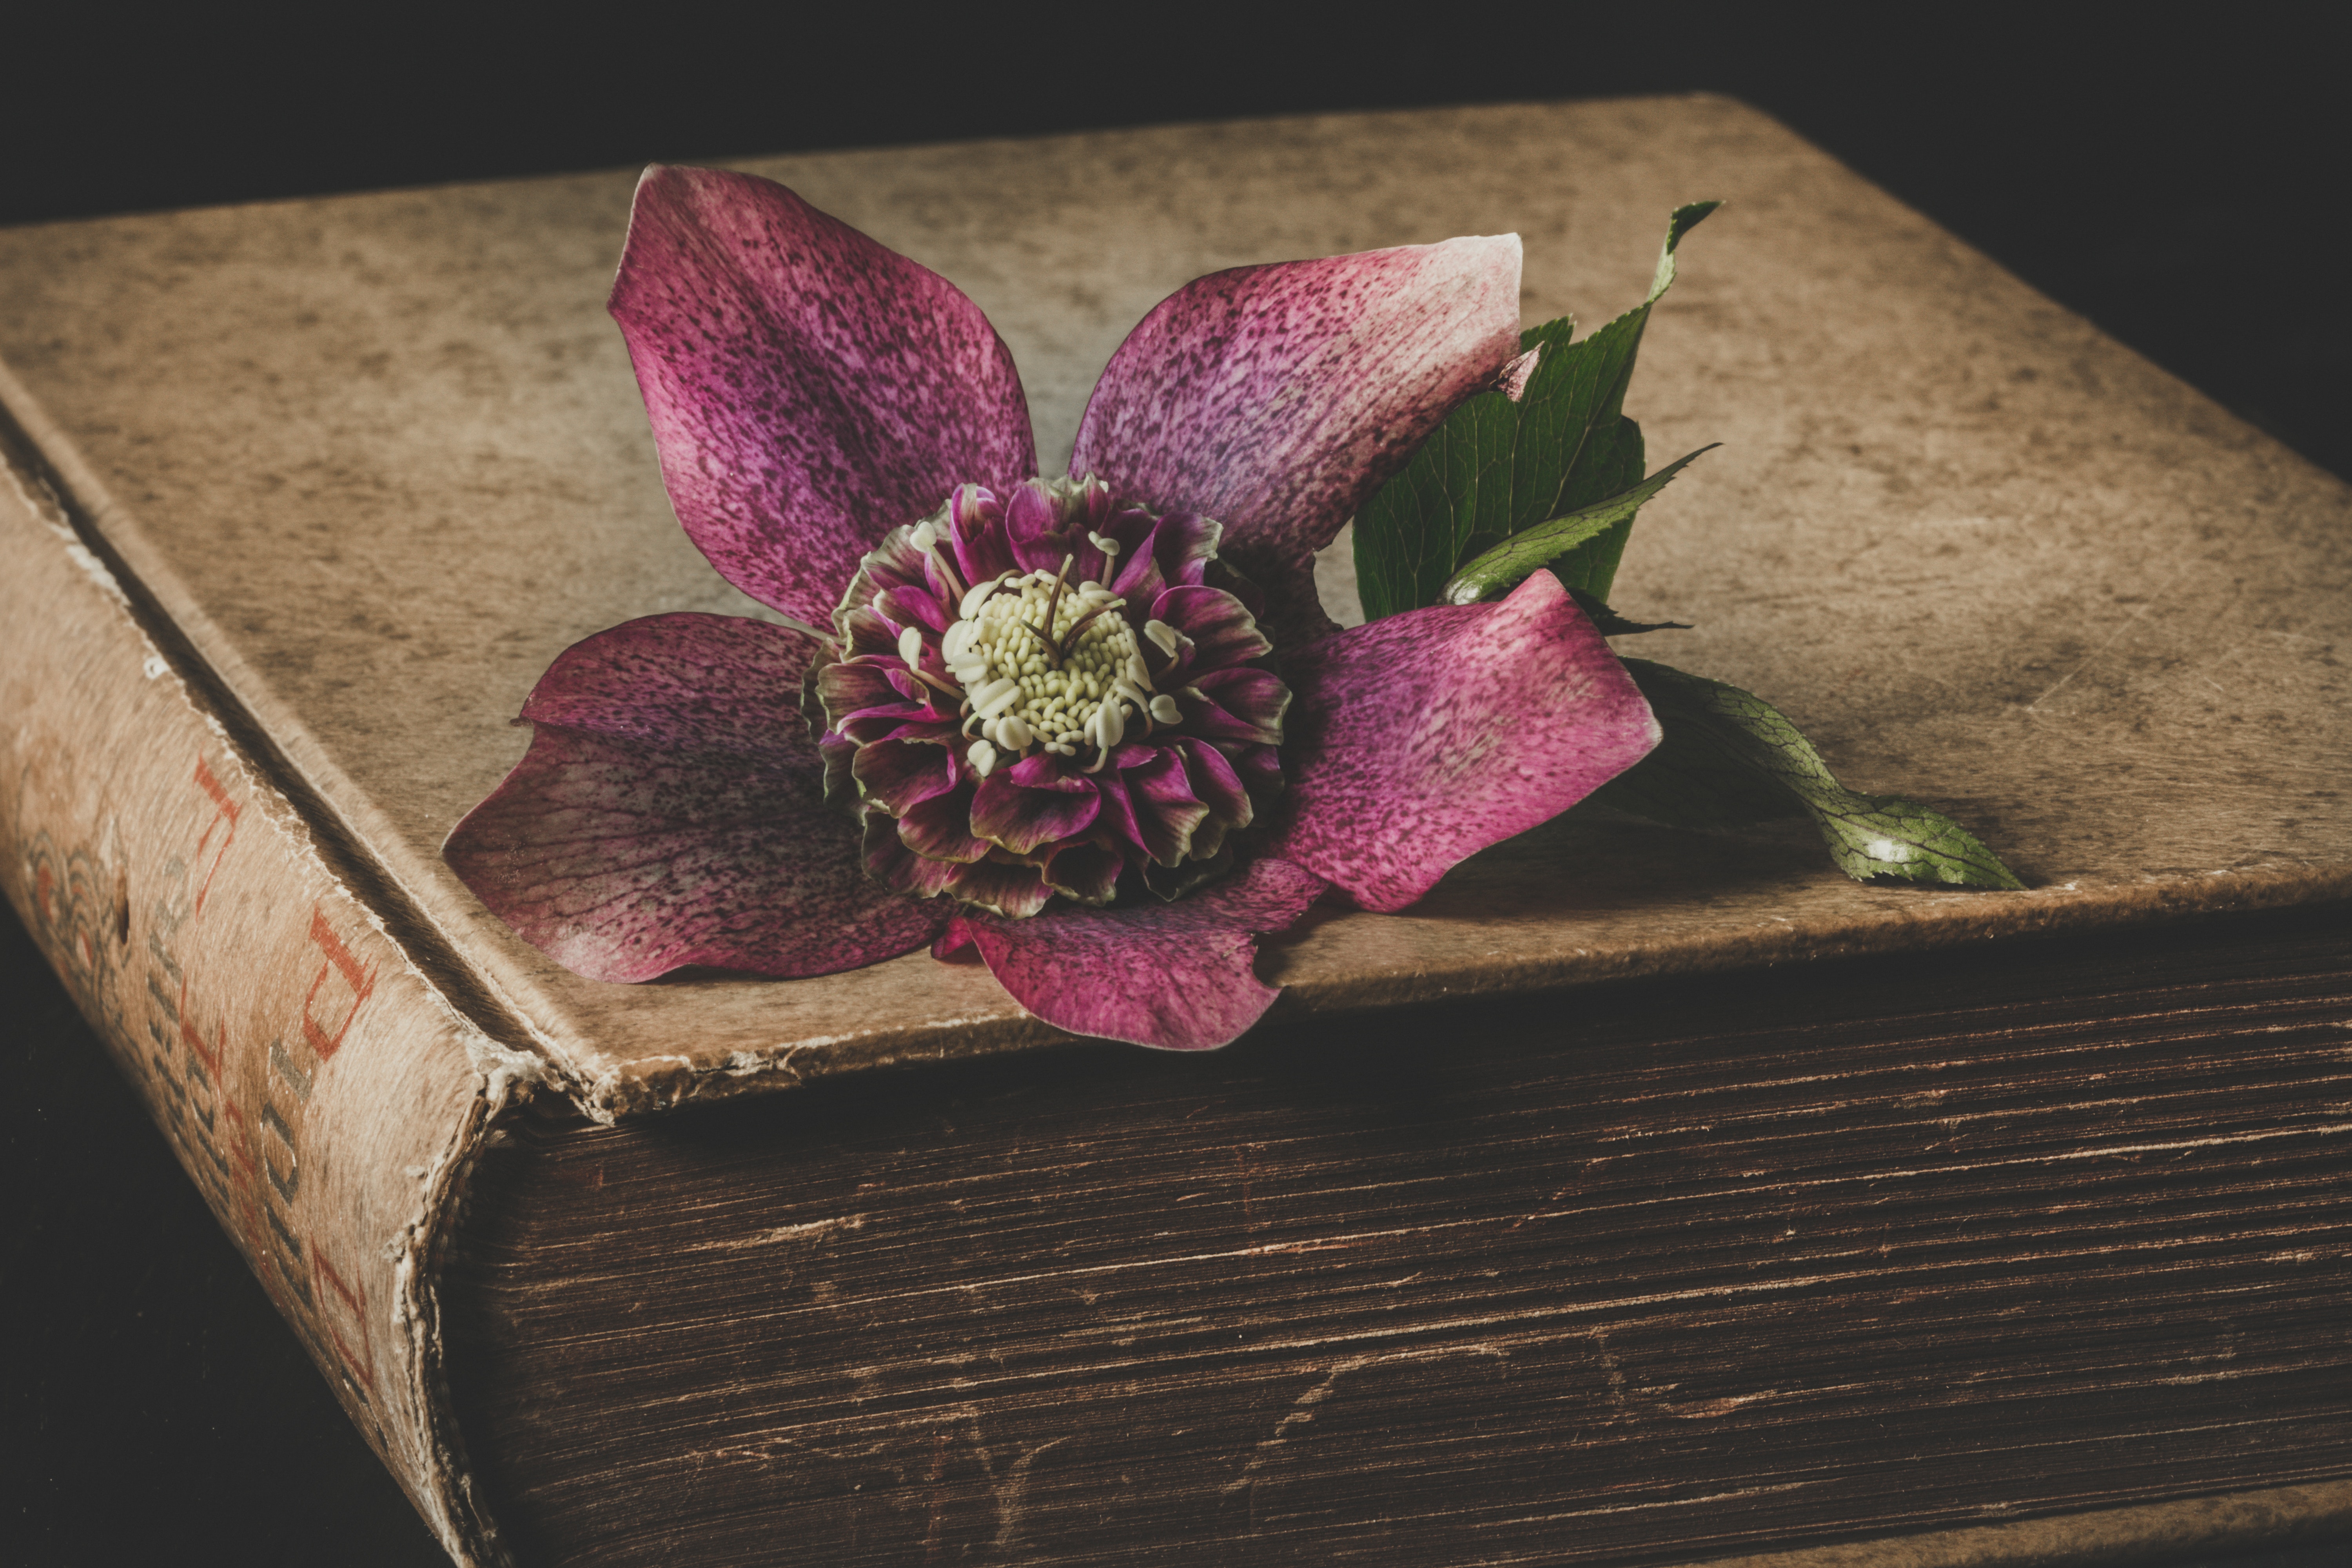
(1728, 758)
(1496, 467)
(1563, 544)
(1609, 624)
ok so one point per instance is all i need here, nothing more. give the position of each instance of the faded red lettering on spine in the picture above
(354, 1299)
(339, 961)
(224, 814)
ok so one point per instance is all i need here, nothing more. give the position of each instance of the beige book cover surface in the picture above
(383, 458)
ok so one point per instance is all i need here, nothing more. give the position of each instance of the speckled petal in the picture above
(1420, 740)
(809, 389)
(1276, 399)
(1172, 975)
(669, 813)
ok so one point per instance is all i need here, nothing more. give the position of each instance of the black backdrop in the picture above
(2171, 172)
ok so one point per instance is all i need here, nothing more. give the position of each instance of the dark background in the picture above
(2173, 173)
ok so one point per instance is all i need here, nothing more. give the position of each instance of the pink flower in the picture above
(1111, 703)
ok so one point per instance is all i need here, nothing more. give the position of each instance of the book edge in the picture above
(442, 1485)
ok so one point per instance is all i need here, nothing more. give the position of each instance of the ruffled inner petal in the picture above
(1222, 630)
(901, 773)
(1236, 705)
(1024, 820)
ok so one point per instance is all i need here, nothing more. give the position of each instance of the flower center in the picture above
(1047, 665)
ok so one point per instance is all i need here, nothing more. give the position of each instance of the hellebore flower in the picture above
(1097, 728)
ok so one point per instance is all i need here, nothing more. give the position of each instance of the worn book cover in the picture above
(304, 497)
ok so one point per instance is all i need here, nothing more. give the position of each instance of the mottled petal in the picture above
(1420, 740)
(685, 681)
(1025, 820)
(1172, 975)
(622, 861)
(809, 389)
(1276, 399)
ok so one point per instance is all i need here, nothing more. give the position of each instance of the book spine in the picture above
(320, 1090)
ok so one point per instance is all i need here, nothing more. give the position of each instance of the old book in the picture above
(1638, 1196)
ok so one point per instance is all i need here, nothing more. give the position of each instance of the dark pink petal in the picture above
(1420, 740)
(904, 607)
(890, 860)
(1165, 807)
(1016, 892)
(1118, 809)
(1172, 975)
(857, 687)
(941, 827)
(976, 527)
(1025, 820)
(1043, 769)
(685, 681)
(809, 389)
(1222, 632)
(1242, 705)
(622, 860)
(1183, 545)
(901, 773)
(1215, 782)
(1276, 399)
(1086, 872)
(840, 785)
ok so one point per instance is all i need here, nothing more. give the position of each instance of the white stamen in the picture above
(955, 639)
(910, 648)
(925, 536)
(1164, 635)
(1164, 710)
(1011, 734)
(979, 595)
(982, 758)
(1108, 546)
(1139, 672)
(1110, 725)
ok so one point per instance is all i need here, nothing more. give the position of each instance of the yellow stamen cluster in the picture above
(1072, 684)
